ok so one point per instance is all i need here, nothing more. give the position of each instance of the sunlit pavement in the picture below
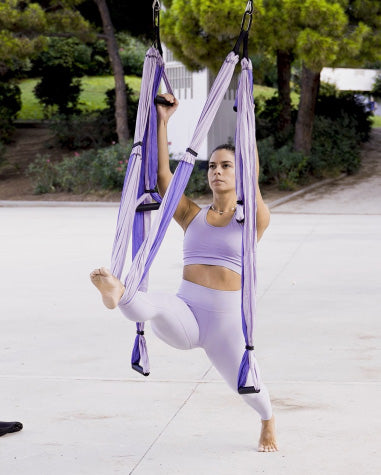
(64, 359)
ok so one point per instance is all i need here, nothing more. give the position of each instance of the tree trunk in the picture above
(306, 113)
(117, 69)
(284, 60)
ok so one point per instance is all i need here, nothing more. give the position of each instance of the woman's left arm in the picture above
(263, 213)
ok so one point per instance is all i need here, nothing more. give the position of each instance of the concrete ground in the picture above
(64, 359)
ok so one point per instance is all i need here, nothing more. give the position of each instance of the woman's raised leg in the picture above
(171, 319)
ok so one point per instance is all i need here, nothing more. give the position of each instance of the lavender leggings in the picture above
(201, 317)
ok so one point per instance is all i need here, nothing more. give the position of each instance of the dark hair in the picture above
(225, 146)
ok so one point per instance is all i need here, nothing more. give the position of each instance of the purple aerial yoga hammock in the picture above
(141, 180)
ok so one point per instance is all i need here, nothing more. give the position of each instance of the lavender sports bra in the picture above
(212, 245)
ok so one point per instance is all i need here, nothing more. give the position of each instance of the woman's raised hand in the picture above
(165, 112)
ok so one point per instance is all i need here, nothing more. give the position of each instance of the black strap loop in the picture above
(140, 332)
(239, 202)
(238, 43)
(150, 191)
(136, 144)
(156, 25)
(244, 33)
(250, 348)
(245, 52)
(192, 152)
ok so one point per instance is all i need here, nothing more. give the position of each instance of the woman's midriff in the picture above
(213, 277)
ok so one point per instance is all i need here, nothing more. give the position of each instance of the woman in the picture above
(206, 312)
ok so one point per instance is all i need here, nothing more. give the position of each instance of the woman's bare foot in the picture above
(109, 286)
(267, 440)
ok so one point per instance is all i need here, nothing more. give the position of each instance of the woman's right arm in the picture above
(186, 209)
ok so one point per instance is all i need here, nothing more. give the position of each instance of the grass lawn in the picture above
(92, 96)
(267, 92)
(376, 121)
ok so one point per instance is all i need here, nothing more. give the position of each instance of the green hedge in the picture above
(10, 104)
(92, 170)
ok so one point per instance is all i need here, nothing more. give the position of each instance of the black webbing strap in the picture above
(156, 25)
(244, 33)
(192, 152)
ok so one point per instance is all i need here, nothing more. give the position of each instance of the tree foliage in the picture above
(317, 32)
(25, 26)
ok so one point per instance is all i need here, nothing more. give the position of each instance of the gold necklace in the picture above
(223, 212)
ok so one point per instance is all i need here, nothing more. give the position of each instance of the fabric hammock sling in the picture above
(139, 190)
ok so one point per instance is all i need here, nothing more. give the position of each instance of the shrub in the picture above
(44, 175)
(2, 153)
(132, 53)
(198, 181)
(376, 90)
(102, 169)
(108, 114)
(96, 129)
(335, 147)
(60, 67)
(81, 173)
(82, 131)
(346, 108)
(10, 104)
(58, 88)
(99, 63)
(282, 165)
(267, 118)
(341, 124)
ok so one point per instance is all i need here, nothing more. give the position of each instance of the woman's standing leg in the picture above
(218, 314)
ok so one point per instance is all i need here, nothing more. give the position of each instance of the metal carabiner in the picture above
(156, 12)
(249, 7)
(248, 12)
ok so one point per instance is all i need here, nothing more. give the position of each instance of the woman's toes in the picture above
(104, 272)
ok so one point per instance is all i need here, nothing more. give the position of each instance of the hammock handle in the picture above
(148, 207)
(248, 390)
(162, 101)
(139, 369)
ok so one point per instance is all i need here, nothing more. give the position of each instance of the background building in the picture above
(192, 89)
(346, 79)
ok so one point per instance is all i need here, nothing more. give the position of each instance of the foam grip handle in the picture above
(148, 207)
(139, 369)
(248, 390)
(162, 101)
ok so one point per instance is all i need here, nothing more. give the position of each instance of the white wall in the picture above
(183, 123)
(347, 79)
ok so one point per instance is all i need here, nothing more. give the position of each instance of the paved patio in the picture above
(64, 359)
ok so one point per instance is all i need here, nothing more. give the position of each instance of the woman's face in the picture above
(221, 172)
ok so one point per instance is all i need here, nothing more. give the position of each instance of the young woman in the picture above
(206, 312)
